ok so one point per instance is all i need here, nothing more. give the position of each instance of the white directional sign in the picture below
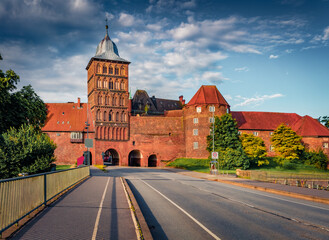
(214, 155)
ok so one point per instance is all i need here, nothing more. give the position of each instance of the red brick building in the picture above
(148, 131)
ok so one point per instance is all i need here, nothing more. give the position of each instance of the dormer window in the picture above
(198, 109)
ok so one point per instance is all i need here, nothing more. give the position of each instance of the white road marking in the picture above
(186, 213)
(99, 211)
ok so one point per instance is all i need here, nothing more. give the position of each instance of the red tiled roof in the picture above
(264, 120)
(207, 94)
(67, 117)
(310, 127)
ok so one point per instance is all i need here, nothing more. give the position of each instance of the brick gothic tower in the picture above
(108, 94)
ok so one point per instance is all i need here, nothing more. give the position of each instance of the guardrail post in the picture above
(45, 189)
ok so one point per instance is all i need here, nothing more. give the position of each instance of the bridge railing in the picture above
(23, 195)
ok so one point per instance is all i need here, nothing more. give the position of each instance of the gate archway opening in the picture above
(152, 161)
(135, 158)
(111, 157)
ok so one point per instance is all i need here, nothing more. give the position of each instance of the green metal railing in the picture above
(21, 196)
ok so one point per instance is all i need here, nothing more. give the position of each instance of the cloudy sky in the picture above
(262, 55)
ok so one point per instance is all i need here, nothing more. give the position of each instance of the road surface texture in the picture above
(177, 206)
(97, 209)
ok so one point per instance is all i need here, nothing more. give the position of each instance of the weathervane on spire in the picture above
(106, 27)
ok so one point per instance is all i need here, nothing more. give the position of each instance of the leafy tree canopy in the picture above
(26, 149)
(287, 143)
(17, 108)
(255, 148)
(324, 120)
(227, 143)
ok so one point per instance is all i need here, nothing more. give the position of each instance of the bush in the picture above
(26, 149)
(289, 165)
(255, 148)
(233, 158)
(316, 158)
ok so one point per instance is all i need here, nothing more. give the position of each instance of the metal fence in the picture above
(21, 196)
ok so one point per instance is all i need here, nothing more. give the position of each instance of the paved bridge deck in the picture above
(79, 214)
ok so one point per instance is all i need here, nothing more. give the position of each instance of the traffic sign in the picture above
(214, 155)
(89, 143)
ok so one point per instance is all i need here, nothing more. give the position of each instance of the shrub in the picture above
(316, 158)
(255, 148)
(233, 158)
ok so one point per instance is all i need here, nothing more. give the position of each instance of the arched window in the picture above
(104, 69)
(121, 85)
(110, 70)
(113, 101)
(116, 71)
(99, 83)
(104, 83)
(113, 133)
(105, 115)
(116, 84)
(111, 84)
(106, 100)
(98, 68)
(98, 114)
(122, 117)
(117, 117)
(124, 134)
(122, 72)
(100, 100)
(123, 101)
(110, 115)
(117, 134)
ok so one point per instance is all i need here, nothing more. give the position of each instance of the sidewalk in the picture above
(315, 195)
(80, 214)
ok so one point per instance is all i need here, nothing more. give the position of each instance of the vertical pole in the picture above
(45, 189)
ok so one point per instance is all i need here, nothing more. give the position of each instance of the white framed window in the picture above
(195, 120)
(239, 132)
(255, 134)
(195, 145)
(198, 109)
(325, 145)
(271, 133)
(195, 132)
(271, 148)
(212, 109)
(76, 135)
(211, 119)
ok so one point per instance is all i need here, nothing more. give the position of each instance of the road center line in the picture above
(186, 213)
(99, 211)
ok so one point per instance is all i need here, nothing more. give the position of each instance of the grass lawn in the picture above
(62, 167)
(197, 165)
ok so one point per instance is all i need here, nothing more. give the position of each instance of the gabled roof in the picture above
(70, 117)
(310, 127)
(208, 94)
(264, 120)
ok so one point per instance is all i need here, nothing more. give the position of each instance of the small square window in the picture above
(325, 145)
(212, 109)
(195, 120)
(198, 109)
(255, 134)
(195, 145)
(195, 132)
(211, 119)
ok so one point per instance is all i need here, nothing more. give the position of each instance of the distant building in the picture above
(149, 131)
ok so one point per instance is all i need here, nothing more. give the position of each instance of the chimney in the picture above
(182, 100)
(79, 104)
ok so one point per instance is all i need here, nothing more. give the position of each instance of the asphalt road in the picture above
(182, 207)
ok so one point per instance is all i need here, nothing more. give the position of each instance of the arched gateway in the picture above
(152, 161)
(111, 157)
(135, 158)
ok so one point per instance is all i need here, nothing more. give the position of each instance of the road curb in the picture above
(142, 229)
(279, 192)
(263, 189)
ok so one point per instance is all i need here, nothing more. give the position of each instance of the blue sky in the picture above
(261, 55)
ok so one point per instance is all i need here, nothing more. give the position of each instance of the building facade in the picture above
(148, 131)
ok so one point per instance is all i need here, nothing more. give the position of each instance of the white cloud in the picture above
(273, 56)
(255, 100)
(325, 34)
(241, 69)
(213, 77)
(126, 20)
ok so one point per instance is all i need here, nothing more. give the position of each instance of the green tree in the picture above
(255, 149)
(287, 143)
(17, 108)
(324, 120)
(26, 149)
(228, 143)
